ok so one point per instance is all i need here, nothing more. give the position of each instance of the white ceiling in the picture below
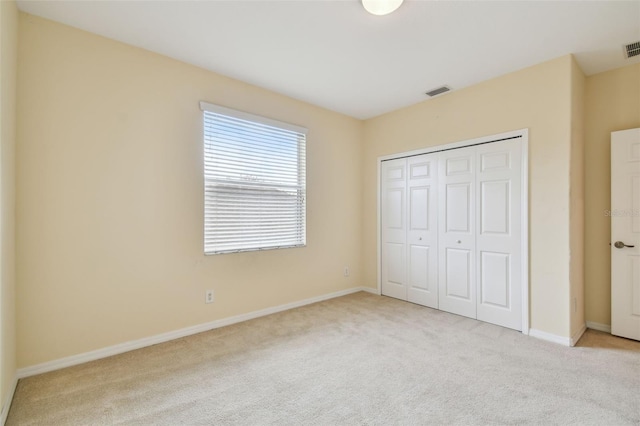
(335, 55)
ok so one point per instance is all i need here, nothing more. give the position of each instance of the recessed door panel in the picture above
(458, 278)
(494, 161)
(420, 170)
(458, 165)
(395, 262)
(419, 267)
(395, 208)
(634, 197)
(634, 151)
(494, 279)
(419, 208)
(458, 204)
(395, 173)
(394, 278)
(634, 262)
(494, 207)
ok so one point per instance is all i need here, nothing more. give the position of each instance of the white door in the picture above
(625, 233)
(452, 231)
(456, 223)
(480, 232)
(422, 232)
(394, 228)
(499, 230)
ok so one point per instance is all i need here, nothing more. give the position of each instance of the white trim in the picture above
(165, 337)
(379, 228)
(524, 133)
(524, 138)
(524, 244)
(578, 335)
(8, 400)
(543, 335)
(218, 109)
(371, 290)
(600, 327)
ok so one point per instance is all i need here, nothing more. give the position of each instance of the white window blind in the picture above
(254, 182)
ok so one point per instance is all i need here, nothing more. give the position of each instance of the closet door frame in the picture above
(523, 136)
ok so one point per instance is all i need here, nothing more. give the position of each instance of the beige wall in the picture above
(8, 74)
(576, 209)
(538, 98)
(612, 103)
(109, 186)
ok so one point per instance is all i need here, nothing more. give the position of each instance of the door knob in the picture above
(620, 244)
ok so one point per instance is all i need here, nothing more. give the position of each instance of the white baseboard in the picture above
(165, 337)
(600, 327)
(565, 341)
(7, 402)
(543, 335)
(578, 335)
(371, 290)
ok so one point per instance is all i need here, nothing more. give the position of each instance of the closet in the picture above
(452, 231)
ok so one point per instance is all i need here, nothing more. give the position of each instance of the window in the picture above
(254, 182)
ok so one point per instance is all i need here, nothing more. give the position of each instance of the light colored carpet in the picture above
(358, 359)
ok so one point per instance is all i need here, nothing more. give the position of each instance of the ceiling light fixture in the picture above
(381, 7)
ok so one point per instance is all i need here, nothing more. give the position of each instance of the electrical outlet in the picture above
(208, 296)
(346, 271)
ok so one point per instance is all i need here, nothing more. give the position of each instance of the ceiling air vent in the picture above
(632, 49)
(438, 91)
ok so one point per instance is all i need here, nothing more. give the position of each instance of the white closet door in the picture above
(452, 230)
(394, 228)
(499, 230)
(422, 232)
(456, 223)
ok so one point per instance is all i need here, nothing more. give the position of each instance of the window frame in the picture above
(299, 211)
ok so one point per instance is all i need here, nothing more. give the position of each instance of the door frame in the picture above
(523, 136)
